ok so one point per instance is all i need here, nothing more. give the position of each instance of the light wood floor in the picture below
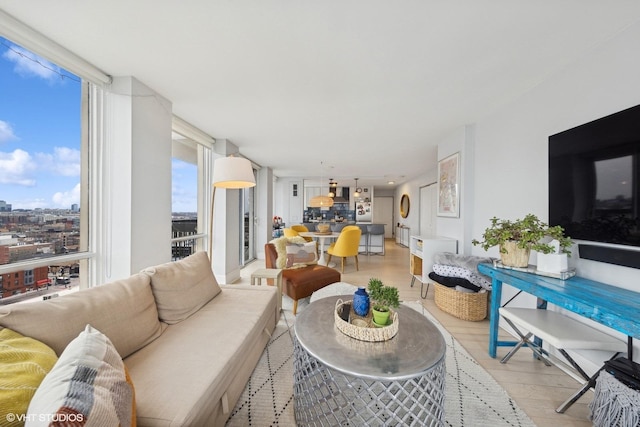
(536, 388)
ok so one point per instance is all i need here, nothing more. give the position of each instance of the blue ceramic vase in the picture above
(361, 302)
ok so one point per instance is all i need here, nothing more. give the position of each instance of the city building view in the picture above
(41, 164)
(44, 233)
(37, 234)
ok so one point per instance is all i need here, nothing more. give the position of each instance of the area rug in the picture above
(473, 397)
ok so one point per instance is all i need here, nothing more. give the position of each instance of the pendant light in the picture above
(321, 201)
(332, 187)
(358, 189)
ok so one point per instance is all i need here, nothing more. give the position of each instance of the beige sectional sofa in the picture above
(188, 344)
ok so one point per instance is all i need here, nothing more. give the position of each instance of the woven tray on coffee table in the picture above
(362, 327)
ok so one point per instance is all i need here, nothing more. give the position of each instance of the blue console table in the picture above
(611, 306)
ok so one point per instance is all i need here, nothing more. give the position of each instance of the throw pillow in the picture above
(301, 253)
(281, 248)
(111, 308)
(182, 287)
(87, 386)
(24, 362)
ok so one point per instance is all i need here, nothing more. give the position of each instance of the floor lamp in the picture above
(229, 173)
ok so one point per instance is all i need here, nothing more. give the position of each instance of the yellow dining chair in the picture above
(300, 228)
(346, 245)
(290, 232)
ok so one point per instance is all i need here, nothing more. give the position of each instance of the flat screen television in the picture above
(594, 180)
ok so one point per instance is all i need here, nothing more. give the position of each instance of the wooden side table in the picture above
(269, 273)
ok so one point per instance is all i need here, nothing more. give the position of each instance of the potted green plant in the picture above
(383, 298)
(516, 239)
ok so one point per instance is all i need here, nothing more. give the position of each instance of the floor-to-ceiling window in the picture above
(184, 197)
(43, 172)
(188, 196)
(247, 225)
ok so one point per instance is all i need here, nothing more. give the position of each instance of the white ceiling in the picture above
(368, 87)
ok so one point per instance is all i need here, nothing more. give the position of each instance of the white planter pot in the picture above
(552, 263)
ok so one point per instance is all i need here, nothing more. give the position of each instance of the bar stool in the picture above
(363, 248)
(376, 238)
(337, 227)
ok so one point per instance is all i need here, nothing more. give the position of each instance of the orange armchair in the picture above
(346, 245)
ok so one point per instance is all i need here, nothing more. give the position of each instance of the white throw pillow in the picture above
(301, 254)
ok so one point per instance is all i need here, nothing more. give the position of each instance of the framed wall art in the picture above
(449, 186)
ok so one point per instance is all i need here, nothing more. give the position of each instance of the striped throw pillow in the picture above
(87, 386)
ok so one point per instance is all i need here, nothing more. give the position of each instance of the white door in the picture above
(383, 214)
(296, 199)
(428, 205)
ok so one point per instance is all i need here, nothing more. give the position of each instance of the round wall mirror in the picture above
(404, 206)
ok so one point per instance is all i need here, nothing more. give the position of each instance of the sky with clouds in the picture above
(40, 136)
(39, 131)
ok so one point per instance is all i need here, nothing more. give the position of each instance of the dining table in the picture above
(322, 238)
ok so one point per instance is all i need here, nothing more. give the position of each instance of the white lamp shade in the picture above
(233, 172)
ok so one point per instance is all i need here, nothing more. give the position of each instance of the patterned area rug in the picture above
(473, 397)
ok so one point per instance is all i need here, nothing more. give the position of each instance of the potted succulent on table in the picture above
(383, 298)
(516, 239)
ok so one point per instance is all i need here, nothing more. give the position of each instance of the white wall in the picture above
(140, 123)
(281, 202)
(460, 141)
(412, 189)
(264, 210)
(510, 178)
(512, 144)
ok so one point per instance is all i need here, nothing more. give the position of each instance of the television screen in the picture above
(594, 179)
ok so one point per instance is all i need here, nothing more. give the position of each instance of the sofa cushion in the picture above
(88, 385)
(203, 358)
(301, 254)
(113, 308)
(24, 362)
(182, 287)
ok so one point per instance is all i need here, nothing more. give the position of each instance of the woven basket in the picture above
(366, 332)
(463, 305)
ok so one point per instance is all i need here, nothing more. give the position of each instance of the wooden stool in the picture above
(269, 273)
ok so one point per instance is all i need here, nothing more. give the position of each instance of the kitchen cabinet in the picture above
(402, 235)
(310, 193)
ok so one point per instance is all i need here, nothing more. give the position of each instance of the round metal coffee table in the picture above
(339, 380)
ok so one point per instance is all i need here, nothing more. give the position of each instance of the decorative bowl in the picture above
(323, 228)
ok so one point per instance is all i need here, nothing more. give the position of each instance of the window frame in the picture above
(25, 39)
(194, 139)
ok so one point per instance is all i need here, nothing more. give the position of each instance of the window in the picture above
(247, 225)
(187, 219)
(43, 143)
